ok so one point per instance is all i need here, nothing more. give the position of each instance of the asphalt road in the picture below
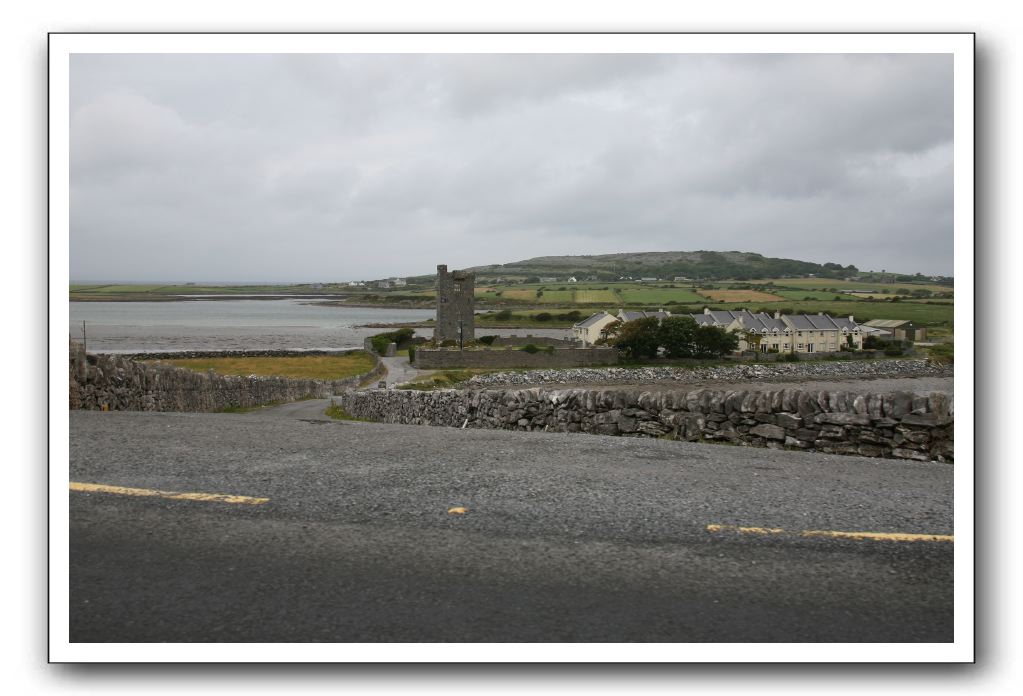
(571, 538)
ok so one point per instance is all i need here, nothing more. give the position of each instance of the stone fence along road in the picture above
(902, 425)
(121, 383)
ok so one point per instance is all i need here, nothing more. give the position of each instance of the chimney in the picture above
(777, 314)
(851, 319)
(706, 310)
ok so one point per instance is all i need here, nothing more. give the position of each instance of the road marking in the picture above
(170, 495)
(875, 536)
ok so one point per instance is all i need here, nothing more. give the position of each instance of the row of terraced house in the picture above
(763, 332)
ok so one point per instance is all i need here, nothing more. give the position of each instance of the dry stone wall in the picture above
(121, 383)
(515, 340)
(902, 425)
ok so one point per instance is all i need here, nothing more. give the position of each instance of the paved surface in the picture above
(566, 538)
(400, 371)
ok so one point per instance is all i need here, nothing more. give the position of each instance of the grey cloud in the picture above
(335, 166)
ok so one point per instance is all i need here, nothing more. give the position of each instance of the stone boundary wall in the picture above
(901, 425)
(440, 358)
(540, 341)
(123, 383)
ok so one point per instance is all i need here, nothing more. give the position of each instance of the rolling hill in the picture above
(701, 265)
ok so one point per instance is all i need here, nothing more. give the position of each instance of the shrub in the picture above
(487, 340)
(447, 343)
(893, 350)
(503, 315)
(543, 316)
(401, 337)
(411, 354)
(530, 348)
(790, 357)
(943, 352)
(677, 336)
(639, 338)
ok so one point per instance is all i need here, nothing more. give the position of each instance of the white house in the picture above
(398, 282)
(588, 330)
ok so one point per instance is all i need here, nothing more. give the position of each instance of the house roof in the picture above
(823, 322)
(592, 319)
(887, 323)
(718, 317)
(640, 314)
(761, 322)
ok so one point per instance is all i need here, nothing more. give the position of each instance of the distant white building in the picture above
(384, 284)
(572, 280)
(548, 280)
(398, 282)
(356, 284)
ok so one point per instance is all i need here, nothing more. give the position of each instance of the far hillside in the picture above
(670, 265)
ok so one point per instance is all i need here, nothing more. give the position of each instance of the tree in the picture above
(609, 334)
(639, 338)
(713, 342)
(676, 335)
(754, 340)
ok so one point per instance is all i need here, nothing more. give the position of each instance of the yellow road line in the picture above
(170, 495)
(875, 536)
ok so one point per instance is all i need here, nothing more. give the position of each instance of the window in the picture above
(800, 346)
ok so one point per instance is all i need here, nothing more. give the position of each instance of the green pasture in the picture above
(803, 294)
(594, 296)
(649, 295)
(861, 285)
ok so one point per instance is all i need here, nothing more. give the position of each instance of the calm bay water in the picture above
(286, 324)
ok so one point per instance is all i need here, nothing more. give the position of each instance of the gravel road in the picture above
(566, 538)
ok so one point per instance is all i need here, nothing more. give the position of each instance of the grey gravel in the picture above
(748, 374)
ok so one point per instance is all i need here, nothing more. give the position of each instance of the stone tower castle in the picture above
(456, 303)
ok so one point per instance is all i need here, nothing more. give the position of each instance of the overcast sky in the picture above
(341, 167)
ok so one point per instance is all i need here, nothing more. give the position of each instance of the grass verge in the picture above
(338, 413)
(325, 367)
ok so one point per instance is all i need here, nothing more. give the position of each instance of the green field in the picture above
(863, 285)
(326, 367)
(638, 294)
(593, 296)
(803, 294)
